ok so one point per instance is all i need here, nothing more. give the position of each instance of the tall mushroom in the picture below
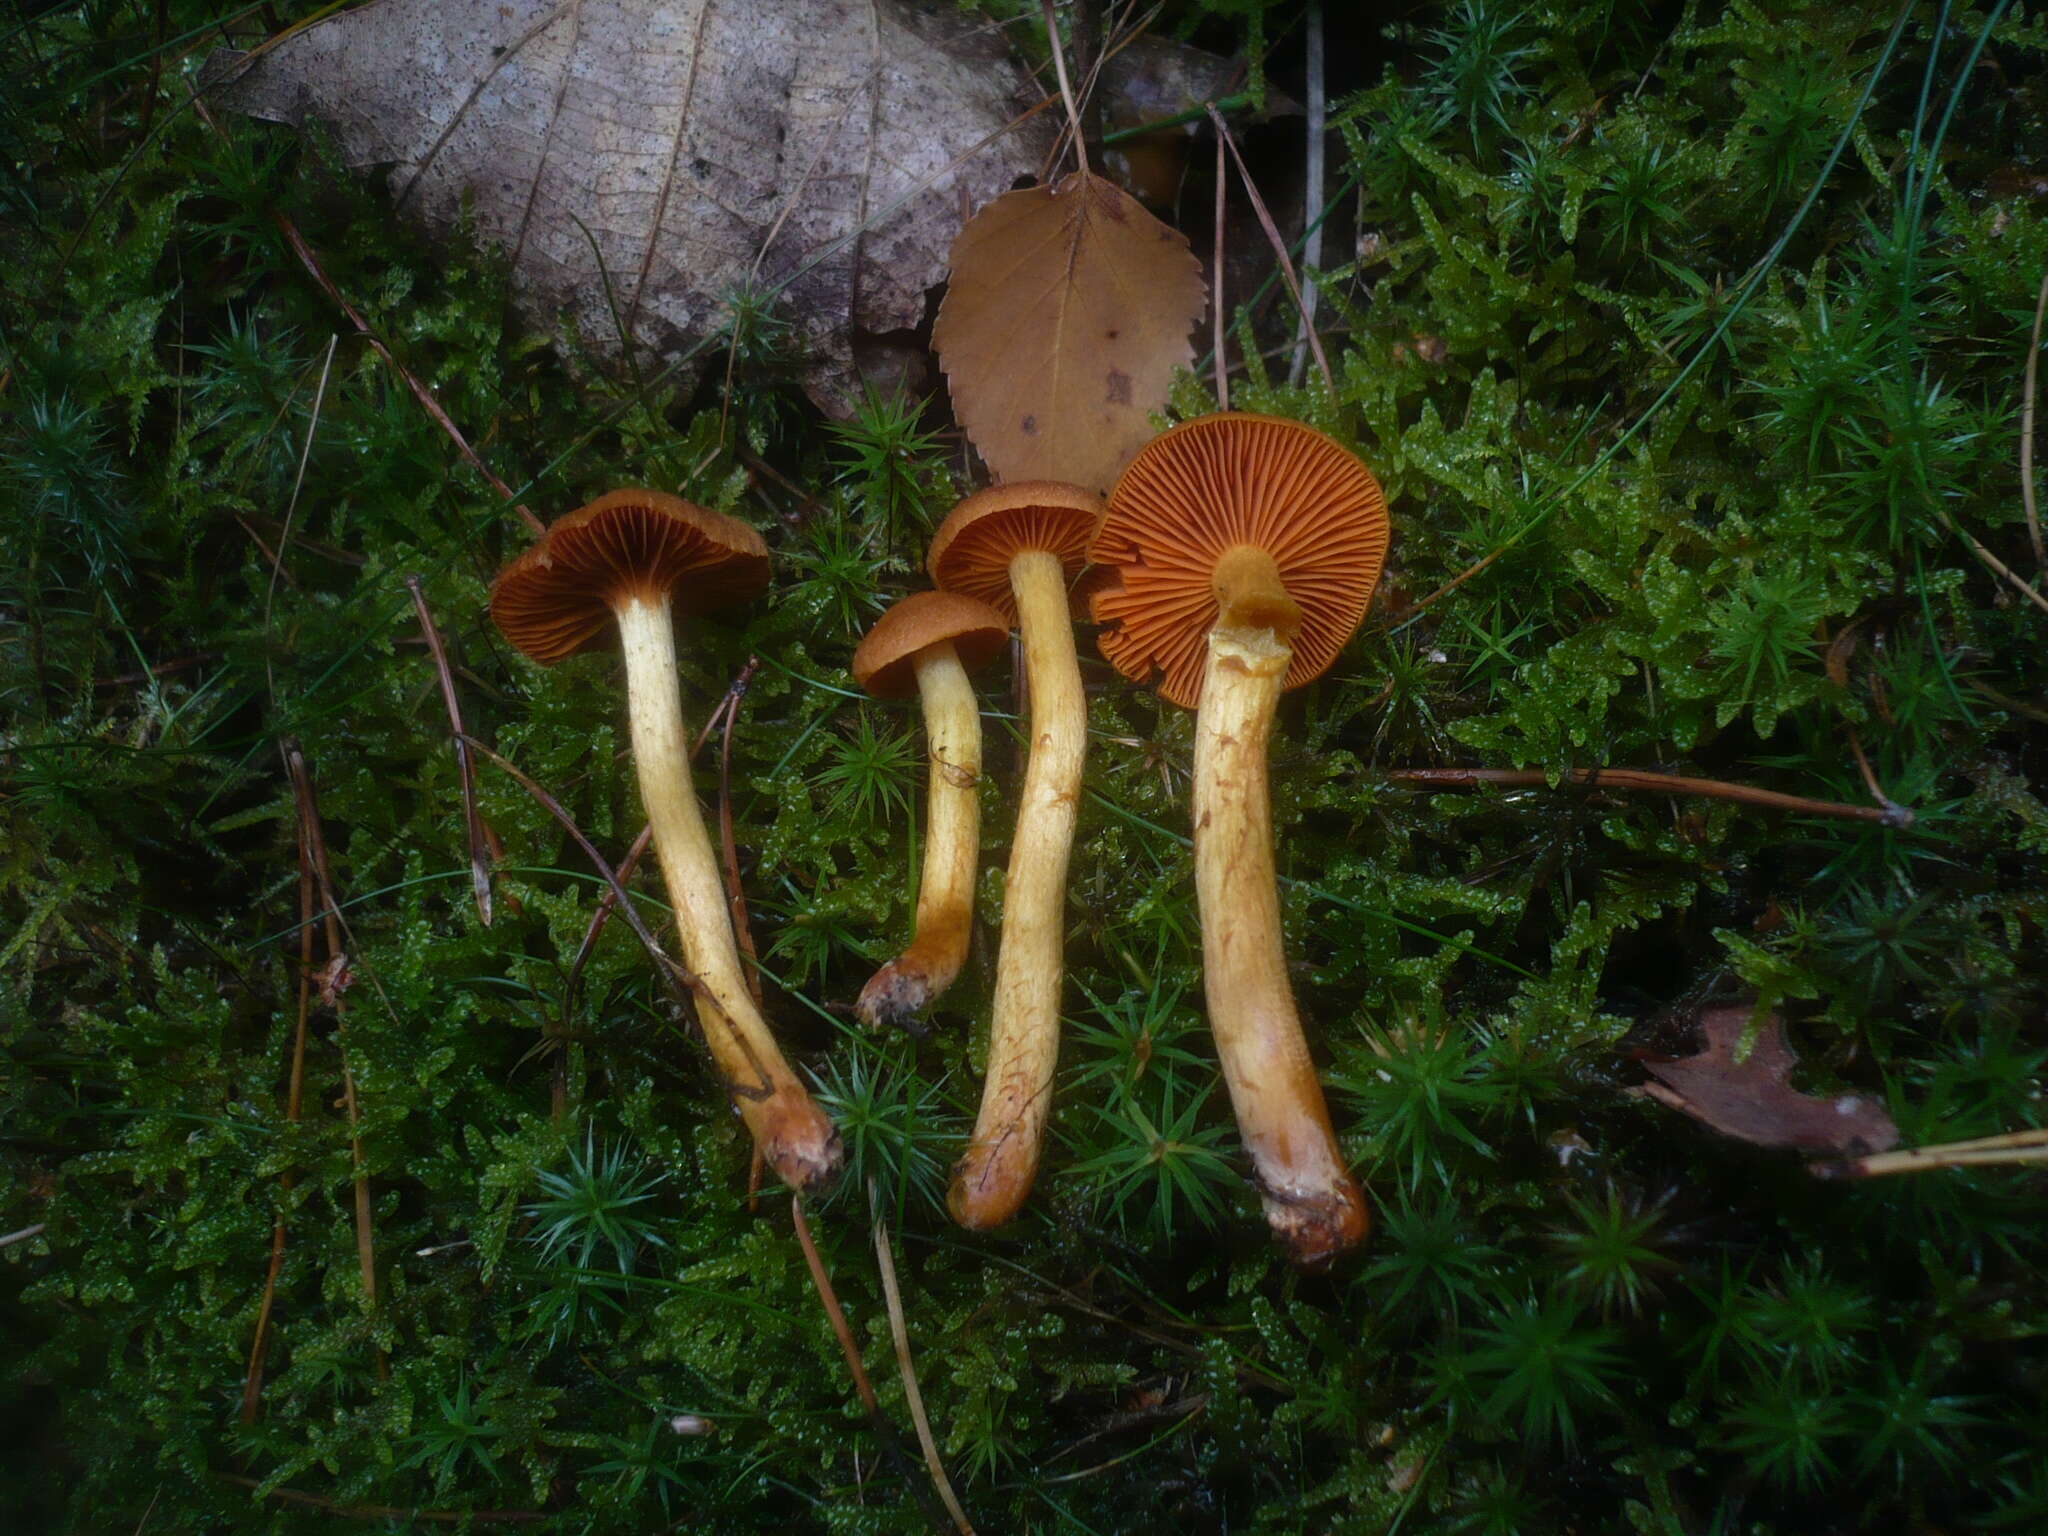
(1018, 548)
(928, 642)
(1245, 548)
(625, 561)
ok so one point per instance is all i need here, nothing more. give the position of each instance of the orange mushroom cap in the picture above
(882, 662)
(973, 548)
(558, 598)
(1218, 483)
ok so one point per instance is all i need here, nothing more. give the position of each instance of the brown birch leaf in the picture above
(674, 151)
(1067, 312)
(1753, 1100)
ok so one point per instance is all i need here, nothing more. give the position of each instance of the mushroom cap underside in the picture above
(558, 598)
(884, 662)
(1223, 482)
(974, 546)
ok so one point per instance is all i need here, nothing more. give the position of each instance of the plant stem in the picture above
(945, 898)
(1887, 815)
(994, 1177)
(1312, 1203)
(791, 1130)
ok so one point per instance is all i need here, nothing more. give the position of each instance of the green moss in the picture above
(1712, 350)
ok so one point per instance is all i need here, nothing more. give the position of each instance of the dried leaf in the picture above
(1754, 1100)
(659, 147)
(1067, 312)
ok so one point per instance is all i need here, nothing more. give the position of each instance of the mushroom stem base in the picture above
(903, 988)
(1312, 1203)
(792, 1132)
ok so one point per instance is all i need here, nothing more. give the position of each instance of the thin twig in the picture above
(1985, 1151)
(683, 984)
(291, 507)
(311, 262)
(1312, 253)
(332, 990)
(1887, 815)
(2027, 432)
(1216, 320)
(465, 765)
(735, 892)
(834, 1313)
(1059, 64)
(1279, 245)
(35, 1229)
(899, 1332)
(1996, 566)
(252, 1380)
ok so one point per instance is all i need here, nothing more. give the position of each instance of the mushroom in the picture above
(927, 643)
(1244, 550)
(1017, 548)
(626, 559)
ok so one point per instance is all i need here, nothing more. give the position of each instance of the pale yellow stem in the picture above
(791, 1131)
(1312, 1203)
(992, 1180)
(945, 900)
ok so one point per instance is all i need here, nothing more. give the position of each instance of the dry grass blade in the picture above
(311, 262)
(333, 985)
(252, 1380)
(1279, 245)
(1887, 814)
(899, 1332)
(465, 765)
(2011, 1149)
(1219, 331)
(1068, 310)
(2027, 435)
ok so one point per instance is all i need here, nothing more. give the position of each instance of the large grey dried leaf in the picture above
(673, 146)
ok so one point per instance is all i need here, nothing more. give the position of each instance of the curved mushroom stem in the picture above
(1312, 1203)
(945, 899)
(794, 1135)
(992, 1179)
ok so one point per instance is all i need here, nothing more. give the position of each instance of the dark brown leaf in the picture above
(1753, 1100)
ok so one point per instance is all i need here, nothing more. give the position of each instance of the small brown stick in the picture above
(465, 765)
(1996, 566)
(332, 990)
(311, 262)
(161, 669)
(843, 1332)
(1216, 322)
(1315, 342)
(899, 1332)
(682, 985)
(1983, 1152)
(1888, 814)
(392, 1511)
(735, 892)
(2027, 433)
(252, 1381)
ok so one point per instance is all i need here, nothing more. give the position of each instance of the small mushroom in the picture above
(1019, 548)
(928, 642)
(1245, 549)
(624, 561)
